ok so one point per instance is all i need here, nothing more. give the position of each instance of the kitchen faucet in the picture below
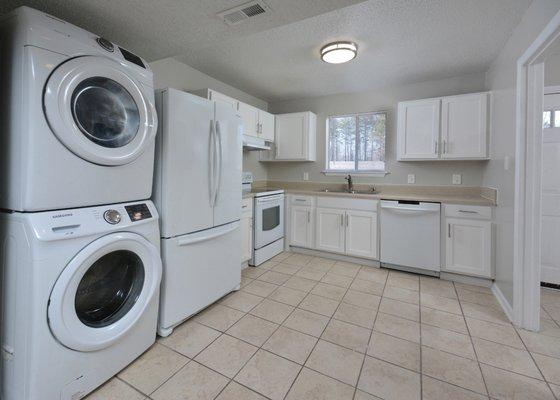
(350, 183)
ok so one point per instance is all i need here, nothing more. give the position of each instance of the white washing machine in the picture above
(80, 297)
(78, 118)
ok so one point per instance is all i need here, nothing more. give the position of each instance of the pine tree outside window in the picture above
(356, 143)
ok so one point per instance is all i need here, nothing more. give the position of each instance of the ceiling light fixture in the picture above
(339, 52)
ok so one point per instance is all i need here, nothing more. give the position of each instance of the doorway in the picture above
(535, 147)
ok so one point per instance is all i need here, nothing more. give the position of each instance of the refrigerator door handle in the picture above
(202, 237)
(219, 160)
(212, 161)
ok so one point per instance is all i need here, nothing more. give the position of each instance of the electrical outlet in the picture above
(411, 178)
(306, 176)
(456, 179)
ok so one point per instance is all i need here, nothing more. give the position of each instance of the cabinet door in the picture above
(250, 117)
(464, 126)
(301, 226)
(266, 121)
(468, 248)
(291, 136)
(418, 129)
(247, 237)
(330, 227)
(222, 98)
(361, 234)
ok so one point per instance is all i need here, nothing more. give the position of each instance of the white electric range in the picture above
(268, 221)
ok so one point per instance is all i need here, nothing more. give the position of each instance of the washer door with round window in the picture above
(103, 291)
(98, 111)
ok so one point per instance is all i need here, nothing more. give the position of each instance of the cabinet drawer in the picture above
(302, 200)
(465, 211)
(247, 207)
(347, 203)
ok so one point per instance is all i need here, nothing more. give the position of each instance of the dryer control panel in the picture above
(56, 225)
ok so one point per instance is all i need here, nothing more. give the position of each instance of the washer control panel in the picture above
(112, 216)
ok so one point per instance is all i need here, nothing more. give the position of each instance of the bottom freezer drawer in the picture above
(198, 269)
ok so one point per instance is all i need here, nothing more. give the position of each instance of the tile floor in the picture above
(305, 327)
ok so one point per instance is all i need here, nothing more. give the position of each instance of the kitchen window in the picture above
(356, 143)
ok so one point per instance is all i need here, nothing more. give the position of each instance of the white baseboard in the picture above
(550, 274)
(503, 301)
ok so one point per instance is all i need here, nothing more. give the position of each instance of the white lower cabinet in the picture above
(246, 224)
(347, 231)
(468, 241)
(330, 230)
(361, 234)
(302, 224)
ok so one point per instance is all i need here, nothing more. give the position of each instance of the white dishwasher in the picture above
(410, 235)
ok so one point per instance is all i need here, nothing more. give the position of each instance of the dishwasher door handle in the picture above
(406, 209)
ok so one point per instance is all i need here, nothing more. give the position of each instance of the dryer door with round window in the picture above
(99, 111)
(103, 291)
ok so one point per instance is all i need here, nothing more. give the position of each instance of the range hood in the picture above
(254, 143)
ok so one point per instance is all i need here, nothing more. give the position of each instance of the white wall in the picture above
(552, 71)
(427, 172)
(169, 72)
(501, 80)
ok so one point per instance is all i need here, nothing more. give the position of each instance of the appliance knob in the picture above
(106, 44)
(112, 216)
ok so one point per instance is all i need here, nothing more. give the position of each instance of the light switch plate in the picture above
(456, 179)
(411, 178)
(306, 176)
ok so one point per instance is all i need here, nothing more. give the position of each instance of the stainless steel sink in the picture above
(349, 192)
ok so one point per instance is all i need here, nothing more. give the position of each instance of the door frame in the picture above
(528, 169)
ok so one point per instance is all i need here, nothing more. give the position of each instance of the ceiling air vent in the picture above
(236, 15)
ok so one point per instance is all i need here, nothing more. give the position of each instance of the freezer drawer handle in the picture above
(218, 232)
(468, 212)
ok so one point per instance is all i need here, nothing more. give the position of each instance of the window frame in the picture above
(368, 172)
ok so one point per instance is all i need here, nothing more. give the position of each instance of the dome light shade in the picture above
(339, 52)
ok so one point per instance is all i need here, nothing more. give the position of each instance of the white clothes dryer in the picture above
(80, 117)
(80, 296)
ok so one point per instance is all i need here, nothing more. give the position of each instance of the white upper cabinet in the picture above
(211, 94)
(464, 126)
(256, 122)
(250, 117)
(418, 129)
(295, 135)
(267, 122)
(447, 128)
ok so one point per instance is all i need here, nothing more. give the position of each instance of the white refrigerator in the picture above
(197, 191)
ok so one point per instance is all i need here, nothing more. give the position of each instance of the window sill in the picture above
(371, 174)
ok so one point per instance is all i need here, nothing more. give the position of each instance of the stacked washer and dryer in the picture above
(79, 242)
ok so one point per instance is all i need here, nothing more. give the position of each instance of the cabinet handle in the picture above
(436, 147)
(444, 146)
(299, 199)
(346, 219)
(243, 206)
(468, 212)
(448, 230)
(308, 216)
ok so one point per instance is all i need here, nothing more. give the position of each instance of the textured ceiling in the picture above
(161, 28)
(275, 56)
(400, 42)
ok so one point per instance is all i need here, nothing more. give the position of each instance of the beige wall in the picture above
(501, 80)
(169, 72)
(427, 172)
